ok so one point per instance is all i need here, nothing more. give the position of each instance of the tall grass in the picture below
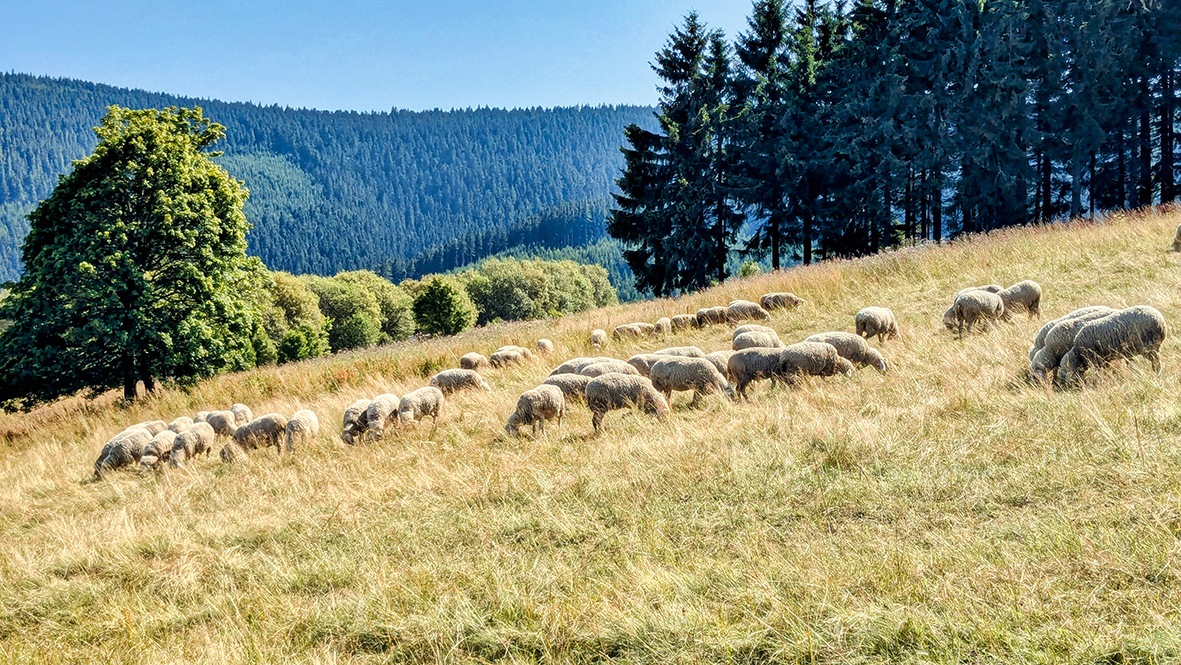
(947, 512)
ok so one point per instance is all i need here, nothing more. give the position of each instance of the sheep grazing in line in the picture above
(749, 365)
(180, 424)
(756, 339)
(451, 380)
(598, 337)
(780, 300)
(355, 421)
(473, 361)
(302, 428)
(1177, 240)
(153, 427)
(262, 432)
(684, 322)
(159, 447)
(242, 414)
(380, 413)
(721, 360)
(745, 310)
(534, 407)
(573, 386)
(525, 353)
(1040, 340)
(664, 326)
(977, 306)
(419, 404)
(223, 422)
(633, 331)
(644, 361)
(853, 348)
(620, 391)
(877, 321)
(752, 327)
(200, 417)
(613, 367)
(1136, 331)
(1022, 297)
(192, 442)
(812, 359)
(682, 351)
(124, 449)
(575, 365)
(506, 357)
(710, 316)
(1058, 341)
(544, 347)
(949, 321)
(696, 374)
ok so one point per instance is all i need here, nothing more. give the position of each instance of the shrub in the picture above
(397, 317)
(342, 301)
(444, 308)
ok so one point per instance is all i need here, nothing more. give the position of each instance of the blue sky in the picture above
(362, 56)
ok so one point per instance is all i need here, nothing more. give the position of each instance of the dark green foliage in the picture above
(511, 289)
(292, 319)
(442, 307)
(342, 301)
(397, 318)
(357, 331)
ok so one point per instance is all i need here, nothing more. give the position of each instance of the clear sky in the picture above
(364, 56)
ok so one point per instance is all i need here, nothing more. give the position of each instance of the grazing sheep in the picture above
(302, 427)
(1177, 240)
(545, 346)
(745, 310)
(1022, 297)
(621, 391)
(125, 449)
(242, 414)
(991, 288)
(752, 327)
(613, 367)
(223, 422)
(180, 424)
(231, 452)
(721, 360)
(573, 386)
(696, 374)
(598, 337)
(684, 322)
(192, 442)
(633, 330)
(575, 365)
(974, 306)
(780, 300)
(1058, 341)
(506, 357)
(949, 318)
(1131, 332)
(200, 417)
(160, 446)
(473, 361)
(1040, 340)
(877, 321)
(355, 421)
(812, 359)
(535, 406)
(664, 326)
(643, 361)
(419, 404)
(749, 365)
(709, 316)
(382, 411)
(682, 351)
(525, 353)
(756, 339)
(153, 427)
(853, 348)
(450, 380)
(262, 432)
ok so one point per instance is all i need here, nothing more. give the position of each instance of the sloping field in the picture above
(946, 512)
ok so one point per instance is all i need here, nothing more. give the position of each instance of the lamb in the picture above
(974, 306)
(744, 310)
(124, 449)
(535, 406)
(223, 422)
(756, 339)
(812, 359)
(877, 321)
(664, 326)
(1023, 296)
(620, 391)
(262, 432)
(711, 316)
(473, 361)
(721, 360)
(644, 361)
(696, 374)
(506, 357)
(419, 404)
(355, 421)
(752, 327)
(598, 337)
(682, 351)
(242, 414)
(380, 413)
(190, 443)
(613, 367)
(159, 447)
(302, 427)
(749, 365)
(1058, 341)
(1177, 240)
(781, 300)
(575, 365)
(450, 380)
(545, 346)
(180, 424)
(1040, 340)
(853, 348)
(684, 322)
(573, 386)
(1136, 331)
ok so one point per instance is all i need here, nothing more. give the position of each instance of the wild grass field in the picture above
(948, 512)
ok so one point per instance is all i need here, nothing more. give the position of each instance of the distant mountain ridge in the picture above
(334, 191)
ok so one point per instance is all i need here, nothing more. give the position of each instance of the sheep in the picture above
(153, 427)
(749, 365)
(573, 386)
(744, 310)
(200, 417)
(633, 330)
(419, 404)
(382, 411)
(598, 337)
(682, 351)
(756, 339)
(613, 367)
(303, 426)
(223, 422)
(664, 326)
(620, 391)
(545, 346)
(473, 361)
(231, 452)
(1040, 340)
(877, 321)
(853, 348)
(949, 321)
(180, 424)
(575, 365)
(242, 414)
(1136, 331)
(124, 449)
(1023, 296)
(1058, 341)
(644, 361)
(780, 300)
(160, 446)
(355, 421)
(262, 432)
(190, 443)
(506, 357)
(525, 353)
(812, 359)
(535, 406)
(684, 322)
(709, 316)
(450, 380)
(1177, 240)
(975, 306)
(696, 374)
(752, 327)
(721, 360)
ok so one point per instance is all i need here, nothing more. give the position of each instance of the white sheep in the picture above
(681, 373)
(620, 391)
(153, 427)
(643, 362)
(544, 347)
(633, 330)
(812, 359)
(506, 357)
(180, 424)
(664, 326)
(613, 367)
(575, 365)
(752, 327)
(598, 337)
(745, 310)
(242, 414)
(124, 449)
(223, 422)
(853, 348)
(709, 316)
(262, 432)
(756, 339)
(525, 353)
(1131, 332)
(949, 321)
(355, 422)
(780, 300)
(416, 405)
(977, 306)
(194, 441)
(380, 414)
(160, 446)
(749, 365)
(451, 380)
(683, 351)
(200, 417)
(302, 428)
(573, 386)
(534, 407)
(1022, 297)
(721, 360)
(1040, 340)
(684, 322)
(877, 321)
(473, 361)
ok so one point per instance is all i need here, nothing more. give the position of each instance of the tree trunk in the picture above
(1047, 188)
(937, 208)
(129, 382)
(776, 224)
(1168, 187)
(1076, 185)
(1123, 168)
(149, 384)
(807, 237)
(1145, 184)
(1091, 189)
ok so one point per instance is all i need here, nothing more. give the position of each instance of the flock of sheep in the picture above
(1062, 351)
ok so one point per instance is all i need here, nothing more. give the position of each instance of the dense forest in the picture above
(839, 129)
(333, 191)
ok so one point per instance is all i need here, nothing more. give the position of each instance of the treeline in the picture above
(838, 130)
(334, 191)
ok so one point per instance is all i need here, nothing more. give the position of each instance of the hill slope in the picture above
(334, 191)
(947, 512)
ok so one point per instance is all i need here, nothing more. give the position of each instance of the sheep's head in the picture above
(1071, 366)
(879, 361)
(843, 366)
(513, 425)
(177, 458)
(347, 435)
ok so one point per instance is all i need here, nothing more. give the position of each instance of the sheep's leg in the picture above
(668, 396)
(597, 419)
(1154, 358)
(541, 425)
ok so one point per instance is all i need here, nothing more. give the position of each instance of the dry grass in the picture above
(948, 512)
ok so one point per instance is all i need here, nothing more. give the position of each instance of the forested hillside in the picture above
(334, 191)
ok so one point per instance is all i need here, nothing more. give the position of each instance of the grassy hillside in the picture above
(947, 512)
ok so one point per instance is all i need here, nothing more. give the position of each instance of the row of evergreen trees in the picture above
(826, 130)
